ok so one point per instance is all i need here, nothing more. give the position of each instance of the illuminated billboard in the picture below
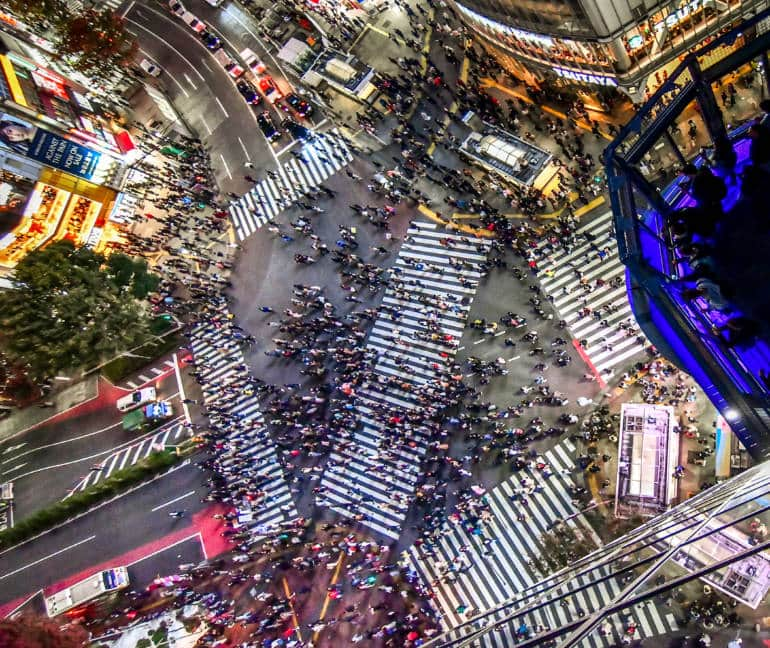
(46, 147)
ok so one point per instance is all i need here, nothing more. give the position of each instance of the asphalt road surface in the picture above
(109, 532)
(63, 450)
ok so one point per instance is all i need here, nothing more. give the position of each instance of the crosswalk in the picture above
(171, 434)
(149, 374)
(322, 157)
(232, 405)
(76, 6)
(373, 471)
(608, 345)
(469, 573)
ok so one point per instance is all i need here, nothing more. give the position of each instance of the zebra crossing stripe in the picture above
(488, 577)
(607, 345)
(361, 477)
(218, 358)
(324, 156)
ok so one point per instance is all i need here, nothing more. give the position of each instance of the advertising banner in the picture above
(46, 147)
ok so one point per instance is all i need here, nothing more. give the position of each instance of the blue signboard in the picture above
(48, 148)
(63, 154)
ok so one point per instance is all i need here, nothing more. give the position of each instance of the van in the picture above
(193, 22)
(136, 399)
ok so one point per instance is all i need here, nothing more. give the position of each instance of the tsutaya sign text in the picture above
(685, 10)
(585, 77)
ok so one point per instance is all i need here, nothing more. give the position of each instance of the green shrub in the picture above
(82, 501)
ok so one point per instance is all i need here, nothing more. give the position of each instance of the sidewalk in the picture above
(32, 415)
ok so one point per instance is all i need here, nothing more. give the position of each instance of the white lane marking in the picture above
(181, 393)
(128, 8)
(5, 472)
(14, 447)
(222, 107)
(227, 168)
(205, 125)
(171, 47)
(176, 499)
(98, 454)
(44, 558)
(189, 80)
(245, 151)
(58, 443)
(514, 358)
(178, 542)
(286, 148)
(319, 124)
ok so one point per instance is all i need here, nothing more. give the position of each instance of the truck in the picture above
(147, 416)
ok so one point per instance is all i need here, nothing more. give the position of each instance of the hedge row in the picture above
(81, 501)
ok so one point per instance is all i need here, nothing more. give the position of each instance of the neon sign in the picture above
(585, 77)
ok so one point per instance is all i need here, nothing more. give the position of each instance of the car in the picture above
(267, 127)
(248, 92)
(193, 22)
(228, 62)
(254, 64)
(211, 41)
(300, 106)
(297, 131)
(177, 8)
(136, 399)
(150, 68)
(214, 3)
(267, 86)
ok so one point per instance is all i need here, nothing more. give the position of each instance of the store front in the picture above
(57, 206)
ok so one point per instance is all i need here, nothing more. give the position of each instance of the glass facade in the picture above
(615, 43)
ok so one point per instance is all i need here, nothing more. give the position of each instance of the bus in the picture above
(103, 582)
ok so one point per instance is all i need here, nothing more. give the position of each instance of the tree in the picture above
(132, 274)
(53, 12)
(40, 632)
(67, 311)
(97, 39)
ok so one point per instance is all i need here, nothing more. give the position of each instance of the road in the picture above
(204, 93)
(64, 448)
(137, 520)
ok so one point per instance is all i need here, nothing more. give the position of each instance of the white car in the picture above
(214, 3)
(193, 22)
(177, 8)
(136, 399)
(148, 66)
